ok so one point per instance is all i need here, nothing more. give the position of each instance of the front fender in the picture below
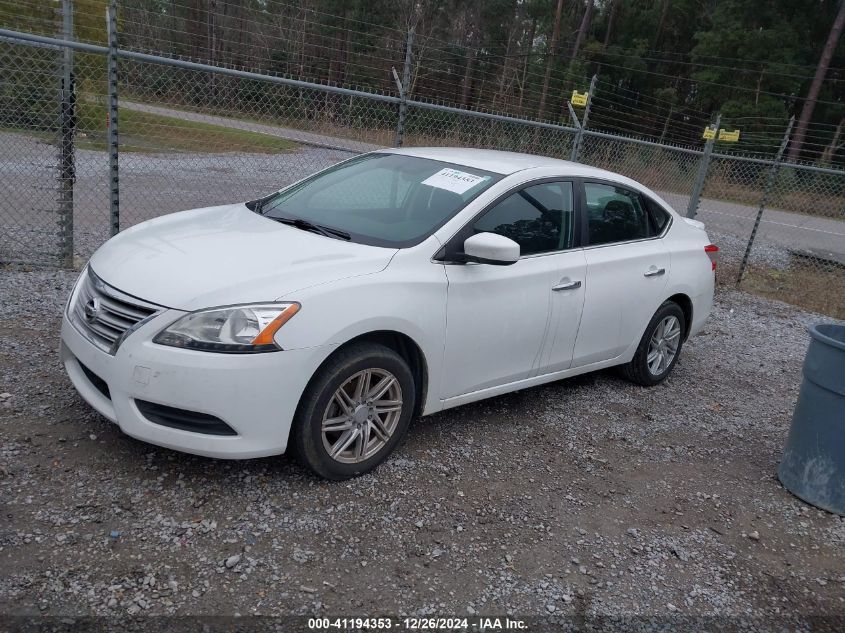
(405, 298)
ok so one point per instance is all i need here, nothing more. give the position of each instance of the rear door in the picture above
(627, 269)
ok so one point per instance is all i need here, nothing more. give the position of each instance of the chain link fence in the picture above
(798, 249)
(30, 179)
(436, 125)
(191, 139)
(668, 170)
(192, 135)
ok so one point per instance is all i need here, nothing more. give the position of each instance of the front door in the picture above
(502, 320)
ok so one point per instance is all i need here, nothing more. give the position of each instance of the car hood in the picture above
(226, 255)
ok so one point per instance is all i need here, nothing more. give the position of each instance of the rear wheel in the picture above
(354, 412)
(659, 347)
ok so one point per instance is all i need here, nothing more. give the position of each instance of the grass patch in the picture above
(43, 135)
(151, 133)
(809, 284)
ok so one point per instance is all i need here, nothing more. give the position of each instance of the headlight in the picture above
(71, 300)
(236, 329)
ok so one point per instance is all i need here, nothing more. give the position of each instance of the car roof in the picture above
(504, 163)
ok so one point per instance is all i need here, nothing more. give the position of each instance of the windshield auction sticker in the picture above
(454, 180)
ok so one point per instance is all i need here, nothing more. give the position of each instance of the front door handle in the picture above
(567, 285)
(654, 272)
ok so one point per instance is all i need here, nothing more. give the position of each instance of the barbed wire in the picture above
(492, 43)
(441, 70)
(539, 77)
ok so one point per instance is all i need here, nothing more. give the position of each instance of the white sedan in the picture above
(322, 318)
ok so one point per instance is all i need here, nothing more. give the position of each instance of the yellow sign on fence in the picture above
(731, 137)
(709, 133)
(579, 98)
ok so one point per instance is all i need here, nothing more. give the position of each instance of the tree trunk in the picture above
(541, 110)
(582, 30)
(568, 82)
(212, 32)
(197, 33)
(830, 150)
(666, 124)
(527, 62)
(816, 86)
(302, 44)
(661, 24)
(212, 48)
(506, 65)
(472, 30)
(608, 34)
(347, 46)
(466, 89)
(306, 109)
(243, 56)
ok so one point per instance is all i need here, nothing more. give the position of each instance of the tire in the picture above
(640, 370)
(332, 396)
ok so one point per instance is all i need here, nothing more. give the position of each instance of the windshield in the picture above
(381, 199)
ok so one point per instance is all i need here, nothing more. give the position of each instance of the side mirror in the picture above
(490, 248)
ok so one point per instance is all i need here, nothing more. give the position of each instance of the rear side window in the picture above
(657, 216)
(539, 218)
(614, 214)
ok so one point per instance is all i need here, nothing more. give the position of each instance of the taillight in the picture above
(712, 250)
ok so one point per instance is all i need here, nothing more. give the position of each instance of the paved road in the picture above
(816, 235)
(824, 237)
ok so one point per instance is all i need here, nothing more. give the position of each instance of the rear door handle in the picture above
(568, 285)
(654, 272)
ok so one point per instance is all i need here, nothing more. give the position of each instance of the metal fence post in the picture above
(579, 135)
(403, 89)
(703, 167)
(114, 172)
(67, 130)
(764, 199)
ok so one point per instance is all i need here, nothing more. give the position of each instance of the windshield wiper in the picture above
(305, 225)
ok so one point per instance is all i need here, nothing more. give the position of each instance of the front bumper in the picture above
(255, 394)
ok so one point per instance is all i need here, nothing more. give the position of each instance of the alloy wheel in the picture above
(362, 415)
(663, 346)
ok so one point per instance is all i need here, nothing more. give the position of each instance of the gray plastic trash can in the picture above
(813, 466)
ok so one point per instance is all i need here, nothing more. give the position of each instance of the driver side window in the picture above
(539, 218)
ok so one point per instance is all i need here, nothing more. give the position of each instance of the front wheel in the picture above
(659, 347)
(354, 412)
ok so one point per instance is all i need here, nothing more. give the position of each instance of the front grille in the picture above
(183, 419)
(95, 380)
(104, 315)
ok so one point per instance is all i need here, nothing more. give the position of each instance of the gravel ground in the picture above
(588, 497)
(763, 254)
